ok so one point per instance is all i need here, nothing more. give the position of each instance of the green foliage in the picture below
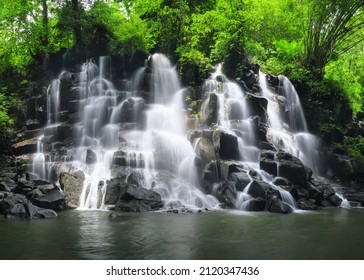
(5, 104)
(110, 26)
(355, 147)
(8, 104)
(347, 71)
(333, 28)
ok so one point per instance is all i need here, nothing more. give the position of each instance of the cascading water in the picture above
(287, 124)
(234, 117)
(147, 129)
(168, 155)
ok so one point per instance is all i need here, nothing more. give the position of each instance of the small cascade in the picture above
(287, 124)
(233, 114)
(344, 203)
(244, 199)
(53, 101)
(38, 160)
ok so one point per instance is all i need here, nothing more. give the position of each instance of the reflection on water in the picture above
(329, 234)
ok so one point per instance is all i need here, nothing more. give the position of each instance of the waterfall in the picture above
(142, 129)
(287, 124)
(164, 144)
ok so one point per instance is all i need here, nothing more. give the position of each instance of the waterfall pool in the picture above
(335, 233)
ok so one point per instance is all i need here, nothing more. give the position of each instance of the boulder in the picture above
(218, 171)
(7, 184)
(24, 187)
(134, 198)
(113, 190)
(256, 205)
(45, 213)
(305, 204)
(258, 106)
(275, 205)
(280, 181)
(225, 192)
(258, 189)
(226, 145)
(287, 166)
(54, 199)
(205, 150)
(72, 183)
(131, 110)
(272, 80)
(250, 78)
(32, 124)
(9, 175)
(334, 200)
(28, 146)
(210, 110)
(18, 207)
(241, 180)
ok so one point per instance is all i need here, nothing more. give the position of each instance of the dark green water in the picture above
(328, 234)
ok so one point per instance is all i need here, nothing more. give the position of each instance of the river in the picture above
(335, 233)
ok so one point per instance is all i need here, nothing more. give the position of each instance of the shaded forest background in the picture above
(317, 44)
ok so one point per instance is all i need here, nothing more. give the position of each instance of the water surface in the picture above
(327, 234)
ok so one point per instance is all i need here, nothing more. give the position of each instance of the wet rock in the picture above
(28, 146)
(257, 205)
(268, 162)
(280, 181)
(31, 176)
(258, 189)
(72, 183)
(275, 205)
(4, 187)
(305, 204)
(257, 106)
(113, 190)
(225, 192)
(334, 200)
(356, 197)
(16, 206)
(218, 171)
(250, 78)
(24, 187)
(175, 204)
(287, 166)
(112, 217)
(54, 199)
(91, 157)
(226, 145)
(344, 167)
(45, 214)
(272, 80)
(138, 199)
(205, 150)
(9, 175)
(131, 110)
(241, 180)
(210, 111)
(32, 124)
